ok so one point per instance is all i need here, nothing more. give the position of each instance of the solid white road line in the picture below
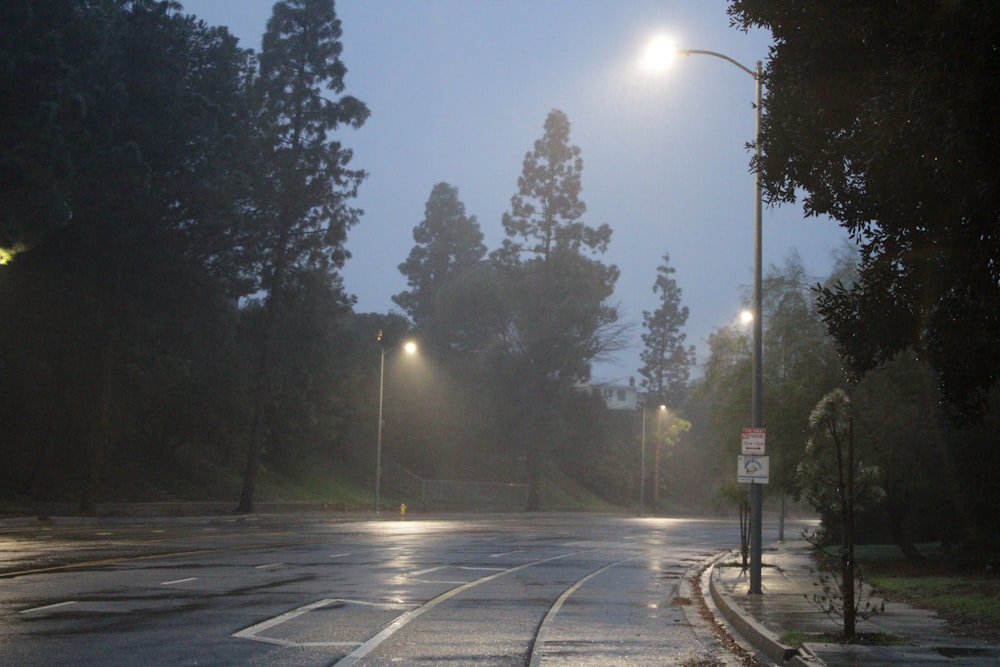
(47, 607)
(253, 632)
(412, 615)
(543, 629)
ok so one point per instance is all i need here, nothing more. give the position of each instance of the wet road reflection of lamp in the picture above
(410, 348)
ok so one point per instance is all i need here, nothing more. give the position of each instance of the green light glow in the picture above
(7, 254)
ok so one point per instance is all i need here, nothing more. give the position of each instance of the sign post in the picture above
(753, 468)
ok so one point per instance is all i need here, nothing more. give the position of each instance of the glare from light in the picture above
(409, 347)
(746, 317)
(7, 254)
(660, 53)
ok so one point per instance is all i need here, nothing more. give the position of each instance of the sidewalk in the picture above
(788, 584)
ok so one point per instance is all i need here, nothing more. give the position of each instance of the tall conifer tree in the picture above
(556, 292)
(666, 361)
(302, 210)
(448, 243)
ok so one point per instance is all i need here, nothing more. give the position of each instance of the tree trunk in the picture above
(261, 390)
(900, 536)
(781, 517)
(656, 475)
(100, 434)
(256, 441)
(850, 620)
(97, 452)
(745, 533)
(535, 480)
(253, 462)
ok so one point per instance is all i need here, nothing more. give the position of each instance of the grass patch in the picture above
(564, 493)
(945, 583)
(736, 563)
(970, 602)
(796, 639)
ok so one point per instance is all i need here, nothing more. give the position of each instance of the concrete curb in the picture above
(755, 633)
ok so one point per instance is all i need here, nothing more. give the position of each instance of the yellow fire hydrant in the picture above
(402, 508)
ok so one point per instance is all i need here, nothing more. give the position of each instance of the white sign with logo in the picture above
(753, 469)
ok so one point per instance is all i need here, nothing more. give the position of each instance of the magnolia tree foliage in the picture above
(882, 116)
(837, 484)
(823, 469)
(900, 431)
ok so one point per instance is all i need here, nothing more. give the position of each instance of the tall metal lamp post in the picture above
(409, 347)
(757, 416)
(642, 458)
(642, 464)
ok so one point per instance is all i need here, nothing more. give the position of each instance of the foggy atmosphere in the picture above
(501, 333)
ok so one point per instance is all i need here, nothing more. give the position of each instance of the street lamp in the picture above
(757, 418)
(409, 347)
(642, 459)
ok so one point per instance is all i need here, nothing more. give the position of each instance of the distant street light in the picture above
(410, 348)
(657, 55)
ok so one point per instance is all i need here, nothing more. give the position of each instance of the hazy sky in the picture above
(459, 91)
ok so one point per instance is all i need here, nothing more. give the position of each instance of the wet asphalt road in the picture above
(548, 589)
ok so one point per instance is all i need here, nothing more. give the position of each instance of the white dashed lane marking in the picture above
(178, 581)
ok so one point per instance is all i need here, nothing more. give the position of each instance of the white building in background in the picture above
(617, 396)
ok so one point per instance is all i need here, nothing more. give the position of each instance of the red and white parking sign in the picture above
(752, 441)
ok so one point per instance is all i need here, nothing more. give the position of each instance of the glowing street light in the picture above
(659, 54)
(409, 347)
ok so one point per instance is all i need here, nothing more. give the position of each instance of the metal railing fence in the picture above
(453, 494)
